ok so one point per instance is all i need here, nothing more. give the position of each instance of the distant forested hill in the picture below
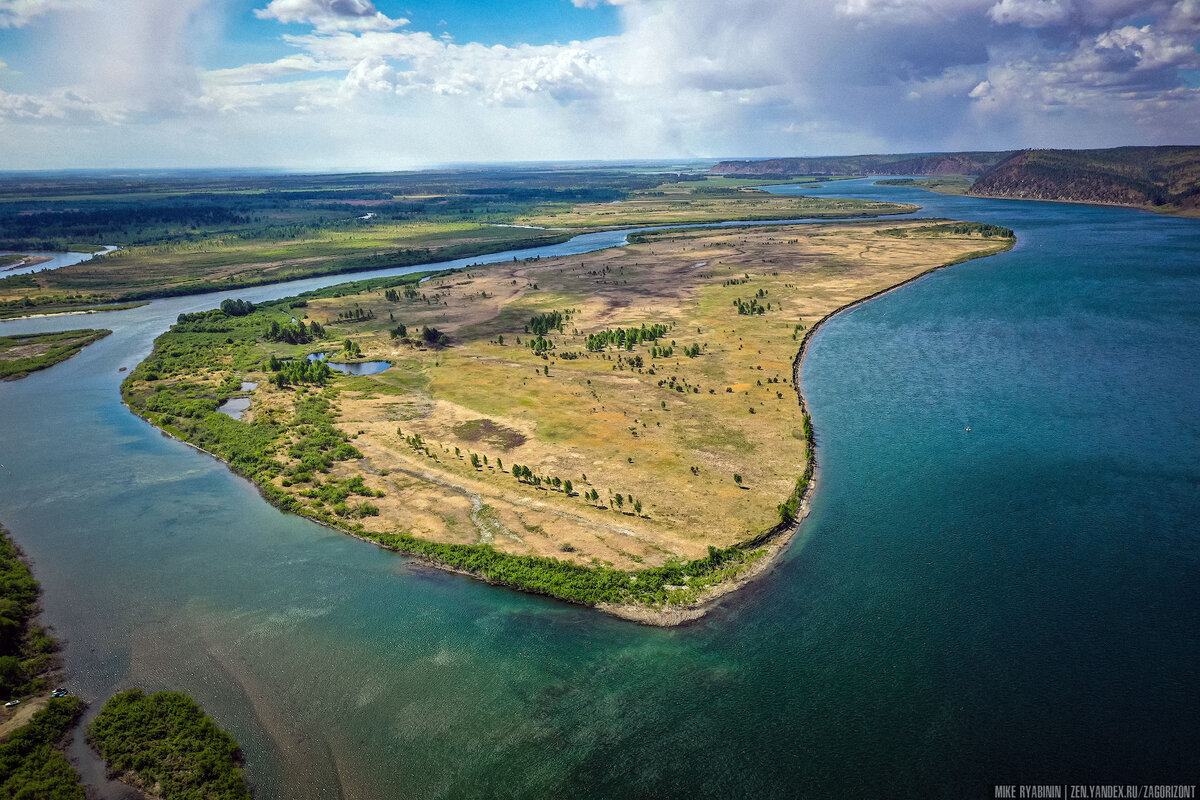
(898, 164)
(1163, 177)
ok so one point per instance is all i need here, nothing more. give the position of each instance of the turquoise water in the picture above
(1016, 603)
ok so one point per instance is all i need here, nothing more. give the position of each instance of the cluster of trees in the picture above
(167, 744)
(237, 308)
(355, 314)
(410, 293)
(526, 475)
(541, 346)
(625, 338)
(749, 309)
(298, 333)
(541, 324)
(289, 373)
(430, 336)
(620, 499)
(737, 281)
(351, 349)
(666, 351)
(680, 385)
(434, 337)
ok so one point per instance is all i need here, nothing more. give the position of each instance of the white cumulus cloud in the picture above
(331, 15)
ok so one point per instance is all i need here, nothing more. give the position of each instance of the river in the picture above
(52, 260)
(1016, 603)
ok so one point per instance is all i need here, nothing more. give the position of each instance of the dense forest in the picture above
(61, 212)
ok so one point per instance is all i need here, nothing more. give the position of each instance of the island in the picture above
(621, 429)
(166, 746)
(23, 353)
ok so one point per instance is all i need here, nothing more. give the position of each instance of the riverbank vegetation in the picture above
(24, 353)
(166, 745)
(31, 759)
(606, 428)
(32, 764)
(27, 651)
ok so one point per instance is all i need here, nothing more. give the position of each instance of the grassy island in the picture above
(165, 745)
(620, 429)
(24, 353)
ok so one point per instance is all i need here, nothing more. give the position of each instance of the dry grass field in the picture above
(653, 438)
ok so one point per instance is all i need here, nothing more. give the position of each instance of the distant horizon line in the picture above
(513, 164)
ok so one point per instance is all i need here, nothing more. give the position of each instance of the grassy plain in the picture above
(189, 235)
(715, 200)
(24, 353)
(684, 446)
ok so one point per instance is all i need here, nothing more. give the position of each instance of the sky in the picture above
(401, 84)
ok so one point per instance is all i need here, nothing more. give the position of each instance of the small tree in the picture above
(737, 479)
(637, 506)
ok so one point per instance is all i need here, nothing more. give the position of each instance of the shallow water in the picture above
(1016, 603)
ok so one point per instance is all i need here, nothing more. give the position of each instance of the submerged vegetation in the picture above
(164, 743)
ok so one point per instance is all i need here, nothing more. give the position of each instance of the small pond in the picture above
(356, 368)
(236, 406)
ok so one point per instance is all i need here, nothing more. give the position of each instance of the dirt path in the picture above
(23, 714)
